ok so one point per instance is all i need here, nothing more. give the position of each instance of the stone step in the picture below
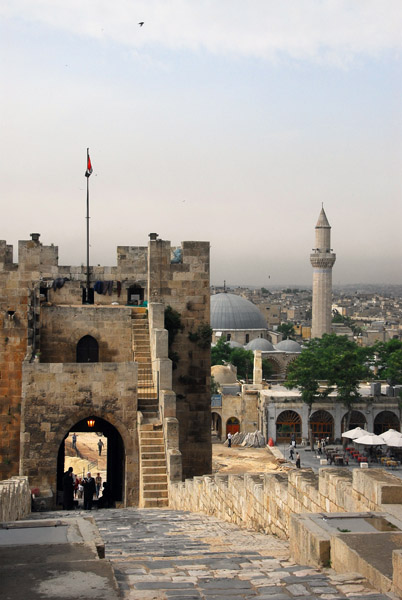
(154, 463)
(148, 409)
(159, 479)
(153, 486)
(154, 471)
(156, 503)
(151, 427)
(155, 457)
(151, 435)
(159, 449)
(153, 494)
(148, 401)
(151, 441)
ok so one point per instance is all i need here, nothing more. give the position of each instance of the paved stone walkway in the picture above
(161, 554)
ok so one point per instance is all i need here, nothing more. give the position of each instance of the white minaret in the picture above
(322, 260)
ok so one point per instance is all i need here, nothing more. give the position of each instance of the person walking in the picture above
(89, 491)
(291, 453)
(319, 451)
(229, 440)
(100, 446)
(297, 460)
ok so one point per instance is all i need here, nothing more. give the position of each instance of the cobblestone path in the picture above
(172, 555)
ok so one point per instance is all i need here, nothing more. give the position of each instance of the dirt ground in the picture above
(243, 460)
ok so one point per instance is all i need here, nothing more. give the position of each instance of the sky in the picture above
(229, 121)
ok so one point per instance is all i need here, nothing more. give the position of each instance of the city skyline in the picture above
(229, 123)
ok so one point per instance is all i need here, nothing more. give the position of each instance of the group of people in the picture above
(292, 451)
(87, 487)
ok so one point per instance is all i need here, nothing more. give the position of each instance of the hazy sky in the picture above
(226, 120)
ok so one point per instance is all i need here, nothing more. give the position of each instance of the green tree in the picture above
(287, 330)
(220, 353)
(267, 369)
(388, 359)
(244, 361)
(337, 361)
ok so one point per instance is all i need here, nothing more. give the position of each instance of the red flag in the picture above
(88, 172)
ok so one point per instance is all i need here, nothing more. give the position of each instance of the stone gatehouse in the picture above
(66, 359)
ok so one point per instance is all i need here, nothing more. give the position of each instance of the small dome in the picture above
(260, 344)
(288, 346)
(230, 312)
(234, 344)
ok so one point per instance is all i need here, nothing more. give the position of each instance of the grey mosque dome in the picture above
(229, 311)
(260, 344)
(288, 346)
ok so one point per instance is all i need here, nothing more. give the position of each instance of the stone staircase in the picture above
(153, 473)
(147, 393)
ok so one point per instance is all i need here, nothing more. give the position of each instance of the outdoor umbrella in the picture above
(370, 440)
(391, 433)
(393, 440)
(352, 434)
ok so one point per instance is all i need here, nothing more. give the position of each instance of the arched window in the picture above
(322, 424)
(87, 350)
(288, 424)
(247, 338)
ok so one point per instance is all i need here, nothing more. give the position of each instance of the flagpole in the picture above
(87, 294)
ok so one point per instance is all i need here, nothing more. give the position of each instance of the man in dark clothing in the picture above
(100, 446)
(68, 489)
(89, 491)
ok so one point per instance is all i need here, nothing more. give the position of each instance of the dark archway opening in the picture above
(357, 419)
(115, 456)
(216, 425)
(386, 420)
(135, 295)
(87, 350)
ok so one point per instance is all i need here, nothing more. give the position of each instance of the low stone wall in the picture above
(266, 501)
(15, 499)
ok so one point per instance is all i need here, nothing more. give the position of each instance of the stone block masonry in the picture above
(265, 502)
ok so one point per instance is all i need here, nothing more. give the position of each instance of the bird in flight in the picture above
(141, 23)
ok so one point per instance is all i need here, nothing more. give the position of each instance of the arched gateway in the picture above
(102, 391)
(83, 459)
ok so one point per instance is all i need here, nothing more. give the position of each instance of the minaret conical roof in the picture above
(322, 220)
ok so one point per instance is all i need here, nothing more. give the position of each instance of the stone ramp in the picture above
(65, 565)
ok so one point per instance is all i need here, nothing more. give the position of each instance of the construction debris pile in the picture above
(248, 440)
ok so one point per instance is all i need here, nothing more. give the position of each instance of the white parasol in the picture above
(391, 433)
(355, 433)
(394, 439)
(370, 440)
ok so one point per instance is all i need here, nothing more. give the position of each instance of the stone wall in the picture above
(57, 396)
(15, 499)
(265, 502)
(62, 327)
(185, 287)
